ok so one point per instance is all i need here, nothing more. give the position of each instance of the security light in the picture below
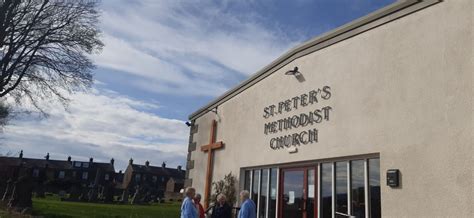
(293, 72)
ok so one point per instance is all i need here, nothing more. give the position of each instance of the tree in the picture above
(225, 186)
(45, 47)
(4, 114)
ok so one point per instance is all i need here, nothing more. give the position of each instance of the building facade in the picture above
(153, 181)
(49, 175)
(371, 119)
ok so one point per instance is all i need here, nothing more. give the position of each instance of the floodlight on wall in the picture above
(299, 76)
(189, 124)
(293, 72)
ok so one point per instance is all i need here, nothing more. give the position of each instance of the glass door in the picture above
(298, 191)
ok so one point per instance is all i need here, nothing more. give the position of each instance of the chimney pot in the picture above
(147, 163)
(69, 159)
(47, 156)
(130, 162)
(163, 164)
(91, 160)
(21, 154)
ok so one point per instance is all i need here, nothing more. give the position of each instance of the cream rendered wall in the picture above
(403, 90)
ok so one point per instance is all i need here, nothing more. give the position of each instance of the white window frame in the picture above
(77, 164)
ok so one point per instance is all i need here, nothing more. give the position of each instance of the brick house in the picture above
(56, 175)
(159, 182)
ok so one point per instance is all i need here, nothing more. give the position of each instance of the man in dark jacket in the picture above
(222, 209)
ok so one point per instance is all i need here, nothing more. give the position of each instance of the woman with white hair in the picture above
(247, 209)
(188, 210)
(221, 209)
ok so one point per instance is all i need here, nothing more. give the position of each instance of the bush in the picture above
(225, 186)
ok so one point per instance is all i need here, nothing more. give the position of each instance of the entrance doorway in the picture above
(337, 188)
(298, 190)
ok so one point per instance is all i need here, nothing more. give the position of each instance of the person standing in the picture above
(247, 209)
(221, 209)
(197, 202)
(188, 209)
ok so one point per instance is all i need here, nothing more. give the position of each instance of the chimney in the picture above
(120, 171)
(112, 161)
(147, 163)
(69, 159)
(47, 156)
(21, 154)
(91, 160)
(163, 165)
(130, 162)
(179, 168)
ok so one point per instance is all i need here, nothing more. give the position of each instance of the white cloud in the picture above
(103, 124)
(166, 47)
(177, 47)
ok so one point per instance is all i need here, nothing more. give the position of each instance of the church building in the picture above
(372, 119)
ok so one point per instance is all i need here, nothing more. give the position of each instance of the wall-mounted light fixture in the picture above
(299, 76)
(293, 72)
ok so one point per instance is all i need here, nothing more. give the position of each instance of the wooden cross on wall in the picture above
(209, 148)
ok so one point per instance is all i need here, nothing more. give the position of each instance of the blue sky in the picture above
(162, 61)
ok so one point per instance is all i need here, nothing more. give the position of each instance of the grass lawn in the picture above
(2, 213)
(54, 208)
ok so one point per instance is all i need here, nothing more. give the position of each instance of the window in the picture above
(61, 174)
(374, 190)
(273, 193)
(263, 194)
(326, 190)
(106, 177)
(255, 186)
(353, 181)
(85, 175)
(77, 164)
(138, 177)
(358, 189)
(248, 180)
(341, 189)
(311, 189)
(155, 178)
(73, 174)
(36, 173)
(262, 185)
(85, 165)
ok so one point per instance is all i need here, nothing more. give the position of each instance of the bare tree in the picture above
(4, 114)
(45, 47)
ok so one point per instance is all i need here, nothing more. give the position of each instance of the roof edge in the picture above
(379, 17)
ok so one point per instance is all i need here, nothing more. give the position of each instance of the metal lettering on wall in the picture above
(313, 117)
